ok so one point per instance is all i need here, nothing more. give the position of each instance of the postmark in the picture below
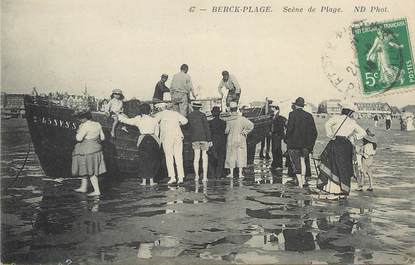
(339, 64)
(384, 56)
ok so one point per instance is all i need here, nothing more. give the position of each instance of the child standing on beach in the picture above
(368, 152)
(115, 107)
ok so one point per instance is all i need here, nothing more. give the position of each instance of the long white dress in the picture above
(410, 123)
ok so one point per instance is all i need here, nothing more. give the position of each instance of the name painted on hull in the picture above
(54, 122)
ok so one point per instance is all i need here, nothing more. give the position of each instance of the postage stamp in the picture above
(384, 56)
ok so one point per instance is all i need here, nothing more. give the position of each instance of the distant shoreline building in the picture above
(330, 106)
(363, 109)
(12, 105)
(370, 109)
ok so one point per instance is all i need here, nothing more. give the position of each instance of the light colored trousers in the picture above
(173, 151)
(181, 103)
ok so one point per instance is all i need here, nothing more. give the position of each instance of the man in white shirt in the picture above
(231, 84)
(180, 89)
(171, 138)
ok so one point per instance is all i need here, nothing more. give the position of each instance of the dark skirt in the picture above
(337, 164)
(149, 157)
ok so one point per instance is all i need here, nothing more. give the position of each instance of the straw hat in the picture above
(370, 136)
(233, 105)
(117, 91)
(161, 106)
(196, 104)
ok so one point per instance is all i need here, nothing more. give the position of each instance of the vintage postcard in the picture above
(207, 132)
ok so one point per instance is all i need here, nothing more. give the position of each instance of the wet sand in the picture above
(260, 219)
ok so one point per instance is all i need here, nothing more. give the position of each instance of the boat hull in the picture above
(53, 130)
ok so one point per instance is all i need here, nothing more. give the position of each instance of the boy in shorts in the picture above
(201, 139)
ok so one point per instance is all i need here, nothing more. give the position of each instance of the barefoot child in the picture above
(368, 152)
(115, 107)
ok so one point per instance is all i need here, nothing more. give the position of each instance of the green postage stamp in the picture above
(384, 56)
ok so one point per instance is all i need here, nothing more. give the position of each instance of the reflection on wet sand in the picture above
(263, 218)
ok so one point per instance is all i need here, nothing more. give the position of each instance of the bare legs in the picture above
(95, 185)
(240, 173)
(196, 160)
(144, 180)
(83, 187)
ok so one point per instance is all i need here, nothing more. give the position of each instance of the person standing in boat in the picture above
(217, 128)
(278, 128)
(201, 139)
(237, 129)
(161, 88)
(336, 167)
(301, 138)
(87, 156)
(171, 137)
(115, 107)
(180, 90)
(231, 84)
(148, 143)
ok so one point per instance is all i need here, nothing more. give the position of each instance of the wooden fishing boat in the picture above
(53, 129)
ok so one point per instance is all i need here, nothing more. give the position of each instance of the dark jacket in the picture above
(278, 126)
(217, 129)
(301, 130)
(199, 127)
(160, 89)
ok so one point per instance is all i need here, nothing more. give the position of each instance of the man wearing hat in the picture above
(266, 140)
(278, 127)
(231, 84)
(301, 138)
(161, 88)
(181, 87)
(171, 137)
(237, 128)
(201, 138)
(217, 129)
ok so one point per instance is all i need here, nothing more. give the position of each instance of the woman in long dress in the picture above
(336, 168)
(87, 156)
(237, 129)
(379, 55)
(410, 122)
(148, 143)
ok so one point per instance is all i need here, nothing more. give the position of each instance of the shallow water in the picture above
(260, 219)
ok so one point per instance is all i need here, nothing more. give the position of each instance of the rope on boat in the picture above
(21, 168)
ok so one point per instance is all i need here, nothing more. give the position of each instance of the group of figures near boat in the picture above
(224, 142)
(160, 127)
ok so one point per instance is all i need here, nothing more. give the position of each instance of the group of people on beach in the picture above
(160, 127)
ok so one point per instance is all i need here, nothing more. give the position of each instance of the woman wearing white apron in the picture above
(336, 168)
(148, 143)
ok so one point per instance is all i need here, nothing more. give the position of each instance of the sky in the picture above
(63, 45)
